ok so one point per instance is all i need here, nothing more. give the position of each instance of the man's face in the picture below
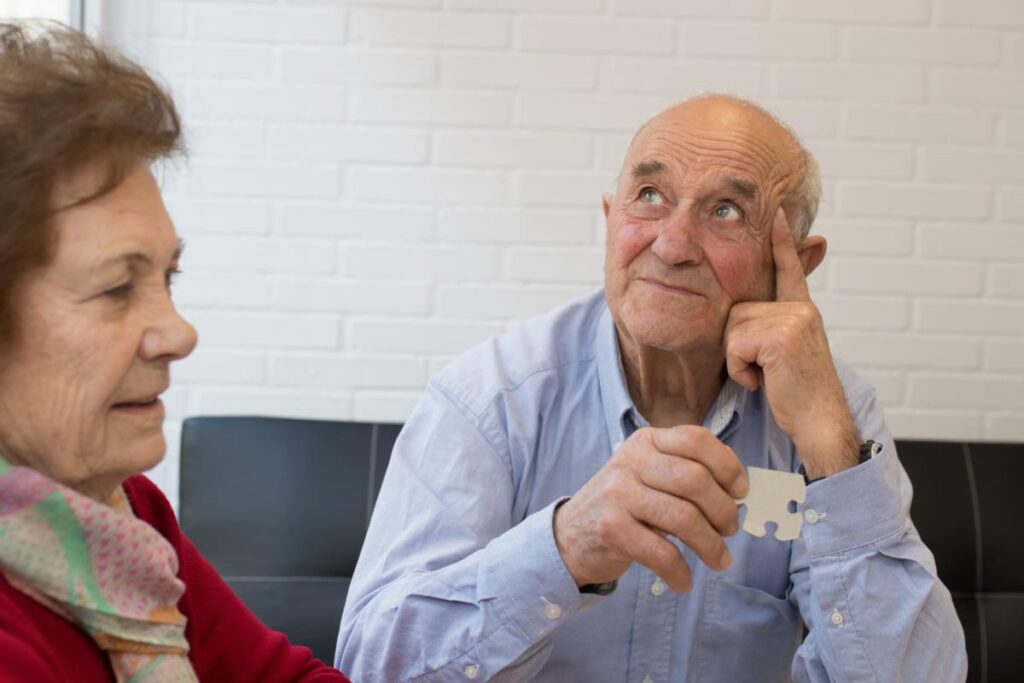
(690, 221)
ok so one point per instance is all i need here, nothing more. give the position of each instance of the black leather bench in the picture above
(280, 507)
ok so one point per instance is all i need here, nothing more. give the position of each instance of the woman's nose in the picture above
(170, 337)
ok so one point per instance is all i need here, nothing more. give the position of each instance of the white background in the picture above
(375, 186)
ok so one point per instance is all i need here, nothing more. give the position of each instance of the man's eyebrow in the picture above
(645, 169)
(745, 189)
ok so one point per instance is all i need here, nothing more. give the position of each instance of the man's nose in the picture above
(679, 240)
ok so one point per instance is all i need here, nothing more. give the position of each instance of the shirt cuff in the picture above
(524, 572)
(854, 507)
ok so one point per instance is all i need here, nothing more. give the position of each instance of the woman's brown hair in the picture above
(65, 103)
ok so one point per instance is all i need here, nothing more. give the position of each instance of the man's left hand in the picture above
(782, 345)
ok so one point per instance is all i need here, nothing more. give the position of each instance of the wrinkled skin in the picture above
(97, 334)
(703, 280)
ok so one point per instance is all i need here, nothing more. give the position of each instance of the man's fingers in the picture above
(685, 520)
(697, 443)
(790, 280)
(692, 481)
(660, 555)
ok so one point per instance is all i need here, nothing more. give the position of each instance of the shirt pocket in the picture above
(746, 634)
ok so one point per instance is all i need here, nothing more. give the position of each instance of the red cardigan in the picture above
(227, 642)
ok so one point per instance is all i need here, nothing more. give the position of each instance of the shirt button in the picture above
(836, 618)
(657, 588)
(471, 671)
(551, 610)
(615, 446)
(647, 679)
(811, 516)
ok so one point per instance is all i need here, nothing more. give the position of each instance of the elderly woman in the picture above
(97, 582)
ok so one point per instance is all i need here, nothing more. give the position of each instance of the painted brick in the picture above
(746, 9)
(384, 406)
(1003, 354)
(530, 5)
(895, 277)
(1011, 205)
(305, 24)
(232, 216)
(1015, 129)
(976, 391)
(919, 124)
(514, 226)
(972, 166)
(262, 180)
(418, 336)
(863, 313)
(1007, 280)
(865, 11)
(233, 253)
(540, 72)
(850, 238)
(222, 367)
(890, 386)
(167, 19)
(1014, 51)
(228, 141)
(334, 372)
(971, 242)
(422, 262)
(683, 78)
(229, 290)
(430, 29)
(909, 351)
(807, 119)
(378, 223)
(275, 403)
(564, 189)
(430, 107)
(995, 13)
(365, 67)
(1008, 427)
(347, 144)
(611, 150)
(923, 46)
(263, 331)
(212, 61)
(588, 112)
(977, 87)
(500, 301)
(556, 265)
(429, 186)
(501, 150)
(625, 36)
(863, 83)
(733, 40)
(862, 160)
(907, 200)
(352, 296)
(234, 102)
(971, 317)
(935, 425)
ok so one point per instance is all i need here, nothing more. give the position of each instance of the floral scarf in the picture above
(99, 567)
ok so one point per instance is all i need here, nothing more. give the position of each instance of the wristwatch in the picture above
(868, 450)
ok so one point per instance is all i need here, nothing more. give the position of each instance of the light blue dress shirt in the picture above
(460, 578)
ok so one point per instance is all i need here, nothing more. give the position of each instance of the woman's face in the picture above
(79, 384)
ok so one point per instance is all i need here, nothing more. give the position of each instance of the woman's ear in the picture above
(811, 251)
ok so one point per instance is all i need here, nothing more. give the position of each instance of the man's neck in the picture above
(670, 388)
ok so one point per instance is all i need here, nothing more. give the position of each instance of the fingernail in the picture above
(741, 487)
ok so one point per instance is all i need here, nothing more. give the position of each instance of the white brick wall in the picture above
(377, 184)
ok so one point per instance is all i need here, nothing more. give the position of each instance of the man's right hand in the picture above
(679, 481)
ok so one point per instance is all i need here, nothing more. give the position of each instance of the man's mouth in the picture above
(675, 289)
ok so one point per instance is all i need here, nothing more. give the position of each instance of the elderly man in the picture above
(560, 505)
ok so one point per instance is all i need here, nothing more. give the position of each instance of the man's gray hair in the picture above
(807, 192)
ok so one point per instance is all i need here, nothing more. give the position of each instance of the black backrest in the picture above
(280, 507)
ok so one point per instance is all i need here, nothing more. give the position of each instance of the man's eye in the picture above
(649, 195)
(728, 212)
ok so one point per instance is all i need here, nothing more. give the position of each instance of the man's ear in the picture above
(606, 203)
(811, 251)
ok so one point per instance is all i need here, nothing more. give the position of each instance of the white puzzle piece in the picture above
(768, 501)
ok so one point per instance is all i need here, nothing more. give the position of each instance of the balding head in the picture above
(719, 111)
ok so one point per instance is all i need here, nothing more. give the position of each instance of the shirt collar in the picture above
(621, 416)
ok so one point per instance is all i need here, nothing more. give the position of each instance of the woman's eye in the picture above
(649, 195)
(728, 212)
(120, 292)
(170, 276)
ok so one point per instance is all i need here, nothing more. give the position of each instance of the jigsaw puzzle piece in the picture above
(768, 501)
